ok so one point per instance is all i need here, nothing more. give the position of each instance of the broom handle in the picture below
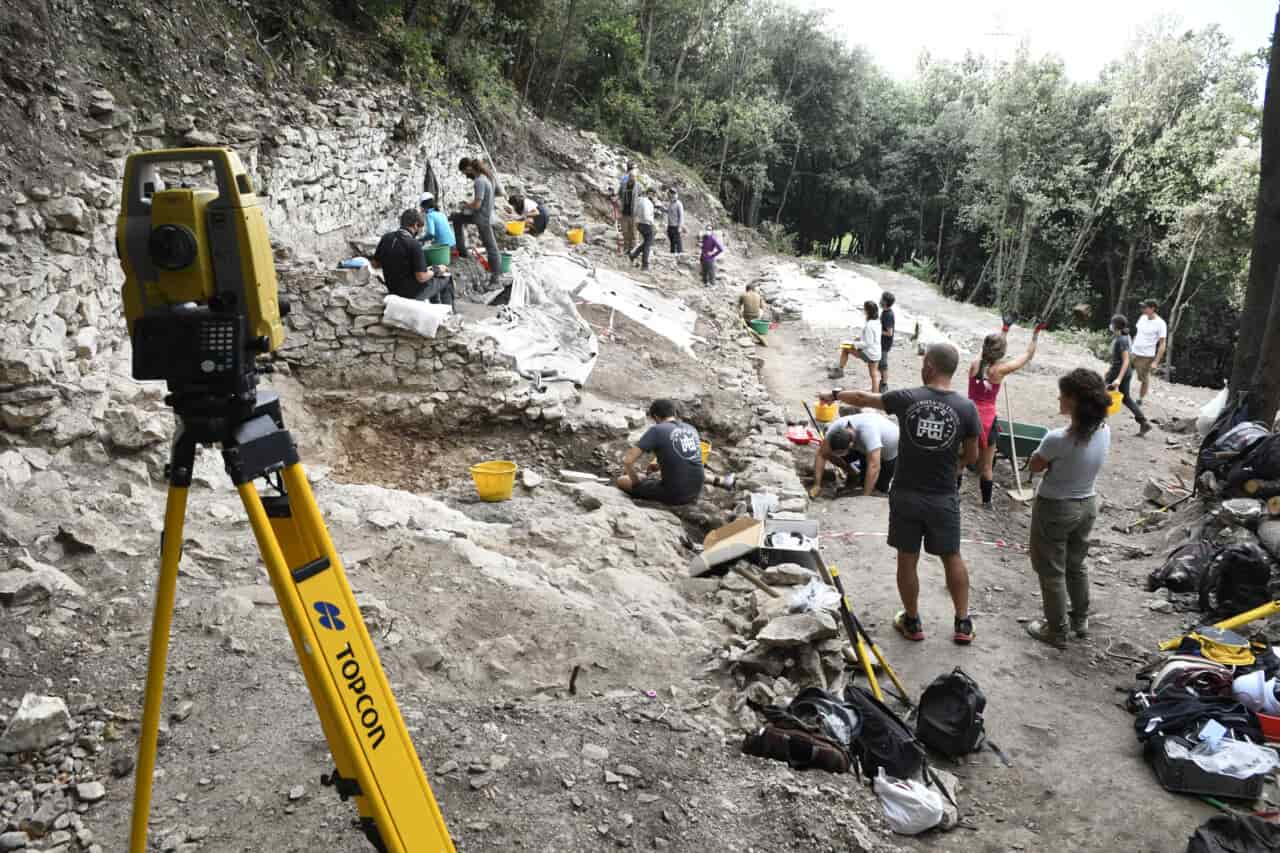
(1013, 442)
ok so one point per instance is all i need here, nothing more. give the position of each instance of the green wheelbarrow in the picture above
(1022, 440)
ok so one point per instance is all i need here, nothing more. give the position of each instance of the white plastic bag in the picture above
(909, 807)
(814, 596)
(1238, 759)
(421, 317)
(1209, 412)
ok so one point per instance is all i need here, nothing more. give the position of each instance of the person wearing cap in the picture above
(629, 196)
(644, 222)
(437, 231)
(1149, 340)
(675, 221)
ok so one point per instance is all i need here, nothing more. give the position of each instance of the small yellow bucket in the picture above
(1117, 402)
(494, 480)
(825, 412)
(706, 450)
(576, 235)
(516, 228)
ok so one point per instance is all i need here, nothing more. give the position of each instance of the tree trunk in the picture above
(1175, 313)
(786, 188)
(1256, 368)
(565, 35)
(942, 221)
(648, 38)
(982, 276)
(1024, 246)
(1128, 275)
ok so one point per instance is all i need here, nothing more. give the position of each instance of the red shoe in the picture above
(909, 626)
(964, 631)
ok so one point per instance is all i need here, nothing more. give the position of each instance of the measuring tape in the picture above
(1002, 544)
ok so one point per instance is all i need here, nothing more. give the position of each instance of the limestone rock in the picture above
(35, 581)
(1269, 536)
(38, 723)
(67, 213)
(13, 841)
(90, 792)
(199, 139)
(14, 470)
(797, 629)
(788, 574)
(130, 428)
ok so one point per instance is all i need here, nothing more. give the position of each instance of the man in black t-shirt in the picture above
(400, 257)
(887, 321)
(678, 449)
(938, 432)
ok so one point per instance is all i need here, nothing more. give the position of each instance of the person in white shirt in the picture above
(644, 224)
(1149, 340)
(869, 437)
(867, 348)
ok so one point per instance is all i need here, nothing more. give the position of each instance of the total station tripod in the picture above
(374, 755)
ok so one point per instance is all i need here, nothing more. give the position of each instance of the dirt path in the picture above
(1078, 781)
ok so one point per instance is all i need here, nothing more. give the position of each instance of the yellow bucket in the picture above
(576, 235)
(1117, 402)
(825, 412)
(494, 480)
(515, 229)
(706, 450)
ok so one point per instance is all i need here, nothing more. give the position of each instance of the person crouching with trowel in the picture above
(866, 435)
(678, 449)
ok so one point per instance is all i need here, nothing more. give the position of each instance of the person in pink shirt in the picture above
(712, 248)
(986, 374)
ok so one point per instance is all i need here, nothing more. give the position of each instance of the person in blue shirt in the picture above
(437, 230)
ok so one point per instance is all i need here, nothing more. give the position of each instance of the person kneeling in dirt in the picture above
(679, 460)
(939, 431)
(533, 213)
(1066, 505)
(868, 436)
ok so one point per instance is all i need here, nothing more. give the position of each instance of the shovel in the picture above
(1019, 495)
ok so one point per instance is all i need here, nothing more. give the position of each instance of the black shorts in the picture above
(916, 516)
(653, 489)
(883, 482)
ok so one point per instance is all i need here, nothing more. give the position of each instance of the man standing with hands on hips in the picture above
(938, 433)
(1149, 340)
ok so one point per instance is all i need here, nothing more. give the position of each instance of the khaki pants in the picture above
(628, 233)
(1059, 544)
(1142, 367)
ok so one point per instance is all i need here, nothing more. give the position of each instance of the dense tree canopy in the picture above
(1006, 182)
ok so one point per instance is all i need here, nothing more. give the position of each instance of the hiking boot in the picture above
(964, 632)
(1080, 626)
(1041, 631)
(909, 626)
(835, 372)
(1144, 428)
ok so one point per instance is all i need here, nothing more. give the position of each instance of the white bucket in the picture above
(1252, 690)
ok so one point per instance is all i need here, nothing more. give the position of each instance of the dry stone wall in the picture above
(331, 170)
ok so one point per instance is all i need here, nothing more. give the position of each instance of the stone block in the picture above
(39, 722)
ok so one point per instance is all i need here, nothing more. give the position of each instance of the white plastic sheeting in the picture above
(541, 328)
(421, 317)
(833, 300)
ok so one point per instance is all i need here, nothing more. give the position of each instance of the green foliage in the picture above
(778, 238)
(924, 269)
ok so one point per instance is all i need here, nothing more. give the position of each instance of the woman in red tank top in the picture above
(985, 377)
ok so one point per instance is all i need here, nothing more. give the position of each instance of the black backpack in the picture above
(815, 731)
(1235, 833)
(1183, 568)
(950, 715)
(1236, 580)
(886, 741)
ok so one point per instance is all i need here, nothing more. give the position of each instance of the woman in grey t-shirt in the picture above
(1066, 506)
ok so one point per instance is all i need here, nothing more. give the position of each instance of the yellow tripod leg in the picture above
(865, 660)
(161, 621)
(1271, 608)
(349, 688)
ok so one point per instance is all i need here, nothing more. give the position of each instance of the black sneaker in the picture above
(909, 626)
(964, 633)
(1144, 428)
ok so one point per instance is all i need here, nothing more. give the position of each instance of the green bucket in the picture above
(760, 327)
(506, 262)
(438, 255)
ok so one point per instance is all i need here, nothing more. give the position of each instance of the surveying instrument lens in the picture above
(202, 304)
(172, 247)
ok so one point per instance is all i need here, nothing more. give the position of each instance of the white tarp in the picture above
(670, 318)
(413, 315)
(833, 300)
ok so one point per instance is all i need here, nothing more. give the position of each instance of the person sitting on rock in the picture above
(867, 436)
(751, 304)
(532, 212)
(399, 256)
(678, 449)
